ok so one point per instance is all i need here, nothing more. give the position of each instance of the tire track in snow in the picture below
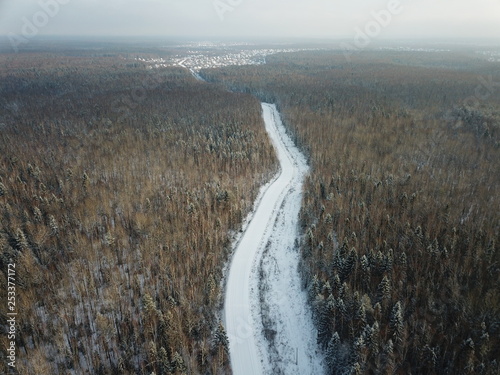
(274, 224)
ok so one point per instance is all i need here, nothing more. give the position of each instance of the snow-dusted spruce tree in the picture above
(336, 356)
(221, 343)
(384, 290)
(396, 322)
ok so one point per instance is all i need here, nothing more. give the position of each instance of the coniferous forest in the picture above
(119, 188)
(400, 217)
(122, 187)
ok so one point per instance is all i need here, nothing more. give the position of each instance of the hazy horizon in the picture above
(234, 19)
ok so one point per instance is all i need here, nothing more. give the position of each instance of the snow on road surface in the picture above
(287, 342)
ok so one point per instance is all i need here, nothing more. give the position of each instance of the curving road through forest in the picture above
(269, 237)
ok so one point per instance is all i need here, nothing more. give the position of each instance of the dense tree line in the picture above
(400, 216)
(119, 188)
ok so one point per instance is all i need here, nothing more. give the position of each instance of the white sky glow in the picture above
(250, 18)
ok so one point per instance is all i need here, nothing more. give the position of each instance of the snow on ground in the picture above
(208, 57)
(263, 285)
(286, 315)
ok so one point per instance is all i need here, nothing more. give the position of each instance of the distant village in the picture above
(195, 60)
(213, 55)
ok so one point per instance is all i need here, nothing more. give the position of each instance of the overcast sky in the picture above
(251, 18)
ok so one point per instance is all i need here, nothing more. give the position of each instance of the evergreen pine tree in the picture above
(384, 289)
(314, 288)
(336, 285)
(152, 352)
(37, 214)
(375, 338)
(163, 362)
(220, 338)
(388, 358)
(178, 363)
(332, 354)
(396, 322)
(361, 313)
(21, 241)
(54, 228)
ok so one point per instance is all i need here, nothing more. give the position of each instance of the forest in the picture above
(400, 215)
(120, 188)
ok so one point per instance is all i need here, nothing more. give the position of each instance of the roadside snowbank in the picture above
(267, 320)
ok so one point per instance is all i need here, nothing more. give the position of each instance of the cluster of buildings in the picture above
(214, 56)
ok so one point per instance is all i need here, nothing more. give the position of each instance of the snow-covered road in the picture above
(287, 344)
